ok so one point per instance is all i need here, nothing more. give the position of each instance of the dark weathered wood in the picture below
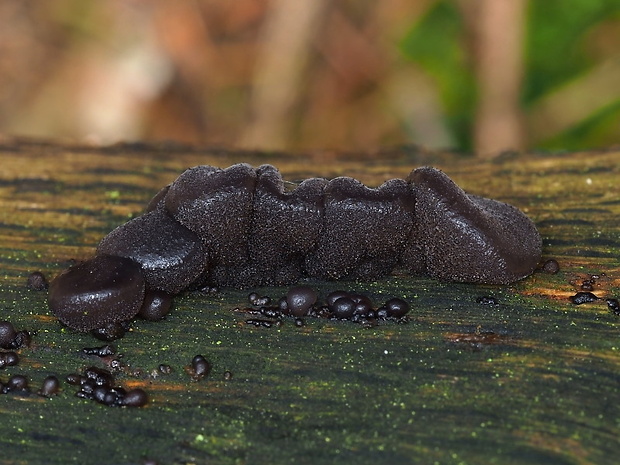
(531, 380)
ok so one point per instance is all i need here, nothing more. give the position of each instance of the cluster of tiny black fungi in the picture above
(99, 385)
(12, 340)
(585, 295)
(302, 301)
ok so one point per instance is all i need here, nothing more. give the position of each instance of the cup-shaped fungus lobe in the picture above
(99, 291)
(467, 238)
(171, 256)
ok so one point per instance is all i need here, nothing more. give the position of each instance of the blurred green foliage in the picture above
(435, 43)
(558, 50)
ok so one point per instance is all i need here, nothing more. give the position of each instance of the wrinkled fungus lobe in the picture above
(241, 227)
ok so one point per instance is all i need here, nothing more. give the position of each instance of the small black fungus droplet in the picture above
(134, 398)
(299, 322)
(363, 304)
(37, 281)
(111, 331)
(11, 339)
(396, 307)
(17, 383)
(613, 306)
(551, 266)
(343, 307)
(200, 367)
(74, 379)
(156, 305)
(164, 369)
(260, 322)
(7, 334)
(8, 359)
(102, 351)
(299, 300)
(283, 306)
(253, 297)
(228, 375)
(22, 339)
(335, 295)
(487, 300)
(50, 386)
(583, 298)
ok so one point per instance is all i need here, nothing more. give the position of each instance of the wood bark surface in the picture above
(533, 379)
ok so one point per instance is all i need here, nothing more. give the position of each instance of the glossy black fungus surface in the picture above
(12, 339)
(102, 351)
(583, 298)
(156, 305)
(7, 334)
(111, 331)
(99, 385)
(50, 386)
(170, 255)
(16, 383)
(199, 368)
(97, 292)
(8, 359)
(299, 299)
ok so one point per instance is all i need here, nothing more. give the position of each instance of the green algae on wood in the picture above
(543, 391)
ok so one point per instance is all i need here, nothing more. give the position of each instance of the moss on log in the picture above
(532, 379)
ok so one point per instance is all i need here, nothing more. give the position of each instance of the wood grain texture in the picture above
(533, 379)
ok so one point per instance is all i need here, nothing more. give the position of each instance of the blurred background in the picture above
(472, 75)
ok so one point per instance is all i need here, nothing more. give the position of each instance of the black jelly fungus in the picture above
(299, 299)
(17, 383)
(110, 332)
(487, 300)
(156, 305)
(396, 307)
(613, 306)
(100, 291)
(240, 227)
(164, 368)
(99, 385)
(37, 281)
(253, 297)
(343, 307)
(50, 386)
(551, 266)
(8, 359)
(335, 295)
(102, 351)
(200, 367)
(583, 298)
(7, 334)
(135, 398)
